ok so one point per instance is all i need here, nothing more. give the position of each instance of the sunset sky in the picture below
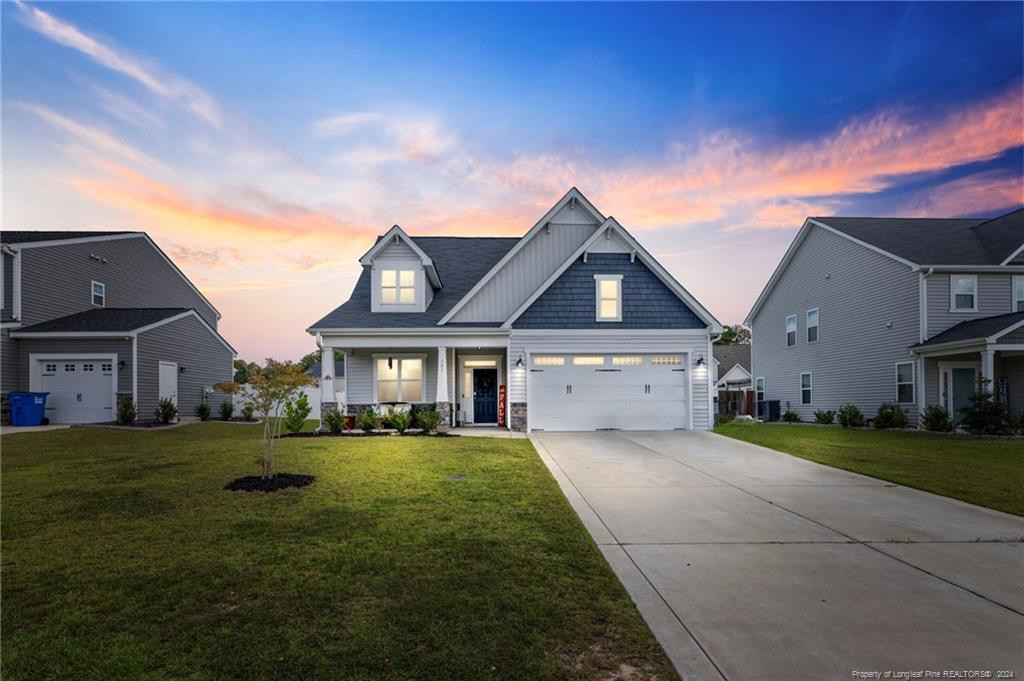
(263, 146)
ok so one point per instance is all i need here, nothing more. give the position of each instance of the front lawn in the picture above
(984, 472)
(412, 558)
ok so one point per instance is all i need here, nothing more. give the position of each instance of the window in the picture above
(790, 330)
(587, 361)
(87, 367)
(99, 294)
(627, 361)
(400, 379)
(397, 287)
(759, 389)
(963, 292)
(548, 361)
(51, 368)
(905, 382)
(666, 360)
(107, 367)
(812, 325)
(480, 363)
(609, 297)
(805, 388)
(69, 367)
(1018, 293)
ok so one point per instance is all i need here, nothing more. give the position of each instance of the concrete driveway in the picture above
(752, 564)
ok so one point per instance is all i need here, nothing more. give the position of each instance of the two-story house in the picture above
(573, 326)
(89, 317)
(873, 310)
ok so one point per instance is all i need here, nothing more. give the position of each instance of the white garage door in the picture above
(81, 390)
(591, 392)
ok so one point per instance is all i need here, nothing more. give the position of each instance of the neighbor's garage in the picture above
(80, 390)
(613, 391)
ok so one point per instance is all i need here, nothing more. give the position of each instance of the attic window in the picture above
(608, 289)
(397, 287)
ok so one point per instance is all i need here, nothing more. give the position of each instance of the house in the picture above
(912, 311)
(733, 382)
(338, 375)
(92, 317)
(573, 326)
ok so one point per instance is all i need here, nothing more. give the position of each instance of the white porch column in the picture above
(327, 375)
(442, 375)
(988, 367)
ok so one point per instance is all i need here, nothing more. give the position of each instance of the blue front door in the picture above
(485, 395)
(964, 385)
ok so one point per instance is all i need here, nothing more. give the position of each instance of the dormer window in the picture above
(608, 289)
(397, 287)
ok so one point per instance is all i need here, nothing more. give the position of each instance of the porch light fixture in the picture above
(519, 362)
(391, 362)
(700, 361)
(120, 364)
(181, 370)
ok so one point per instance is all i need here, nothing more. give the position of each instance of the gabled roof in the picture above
(339, 368)
(975, 329)
(463, 260)
(394, 235)
(8, 236)
(612, 227)
(573, 197)
(730, 355)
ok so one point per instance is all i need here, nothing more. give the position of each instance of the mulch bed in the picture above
(255, 483)
(151, 423)
(359, 433)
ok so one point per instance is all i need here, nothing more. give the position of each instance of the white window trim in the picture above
(398, 286)
(912, 383)
(423, 380)
(809, 388)
(796, 330)
(952, 293)
(92, 293)
(419, 293)
(598, 278)
(1017, 279)
(817, 325)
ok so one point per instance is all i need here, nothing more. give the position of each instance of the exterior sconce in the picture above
(120, 364)
(700, 361)
(391, 363)
(519, 362)
(181, 370)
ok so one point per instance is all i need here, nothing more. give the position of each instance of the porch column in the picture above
(988, 367)
(444, 404)
(326, 375)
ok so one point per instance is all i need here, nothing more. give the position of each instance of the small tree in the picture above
(166, 410)
(203, 409)
(734, 334)
(126, 411)
(985, 415)
(227, 409)
(295, 413)
(268, 389)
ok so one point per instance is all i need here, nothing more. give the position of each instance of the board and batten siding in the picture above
(694, 343)
(995, 297)
(359, 373)
(528, 268)
(868, 319)
(56, 280)
(122, 347)
(189, 344)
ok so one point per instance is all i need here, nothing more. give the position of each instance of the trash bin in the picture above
(27, 409)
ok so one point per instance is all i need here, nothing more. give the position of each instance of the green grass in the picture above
(124, 558)
(983, 472)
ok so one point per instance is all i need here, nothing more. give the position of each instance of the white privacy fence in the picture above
(312, 394)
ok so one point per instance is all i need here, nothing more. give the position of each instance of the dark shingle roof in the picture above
(460, 262)
(23, 237)
(729, 356)
(973, 329)
(339, 368)
(110, 319)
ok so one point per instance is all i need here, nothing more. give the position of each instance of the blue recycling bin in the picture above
(27, 409)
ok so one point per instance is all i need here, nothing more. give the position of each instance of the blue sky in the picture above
(266, 144)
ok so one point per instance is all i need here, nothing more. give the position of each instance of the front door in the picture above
(485, 395)
(963, 384)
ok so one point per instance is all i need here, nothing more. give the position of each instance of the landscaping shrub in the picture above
(247, 412)
(400, 421)
(889, 415)
(203, 410)
(368, 421)
(428, 420)
(126, 411)
(166, 411)
(227, 409)
(985, 415)
(335, 421)
(850, 416)
(790, 416)
(937, 418)
(824, 416)
(295, 413)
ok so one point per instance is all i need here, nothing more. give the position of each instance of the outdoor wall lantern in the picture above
(391, 363)
(519, 362)
(700, 361)
(181, 370)
(120, 364)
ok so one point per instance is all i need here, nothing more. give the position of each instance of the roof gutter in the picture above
(969, 268)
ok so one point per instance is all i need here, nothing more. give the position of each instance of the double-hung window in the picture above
(608, 291)
(1018, 293)
(905, 382)
(397, 287)
(399, 379)
(812, 325)
(805, 388)
(963, 293)
(790, 330)
(98, 292)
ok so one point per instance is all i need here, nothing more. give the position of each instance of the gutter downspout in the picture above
(320, 347)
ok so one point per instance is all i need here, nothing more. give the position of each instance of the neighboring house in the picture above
(733, 381)
(873, 310)
(574, 326)
(92, 316)
(317, 372)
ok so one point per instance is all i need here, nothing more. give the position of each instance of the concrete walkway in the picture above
(752, 564)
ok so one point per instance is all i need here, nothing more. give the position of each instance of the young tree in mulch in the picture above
(268, 389)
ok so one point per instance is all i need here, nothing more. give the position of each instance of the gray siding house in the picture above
(573, 326)
(94, 317)
(873, 310)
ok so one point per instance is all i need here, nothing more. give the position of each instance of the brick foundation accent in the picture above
(517, 416)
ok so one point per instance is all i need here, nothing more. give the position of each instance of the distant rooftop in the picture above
(9, 236)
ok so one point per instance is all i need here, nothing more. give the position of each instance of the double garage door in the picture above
(620, 391)
(81, 390)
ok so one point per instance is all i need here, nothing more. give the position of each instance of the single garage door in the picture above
(81, 391)
(592, 392)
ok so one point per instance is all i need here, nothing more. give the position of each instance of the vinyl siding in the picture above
(528, 269)
(55, 280)
(1013, 369)
(9, 367)
(571, 301)
(68, 346)
(995, 296)
(359, 373)
(188, 343)
(8, 286)
(858, 293)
